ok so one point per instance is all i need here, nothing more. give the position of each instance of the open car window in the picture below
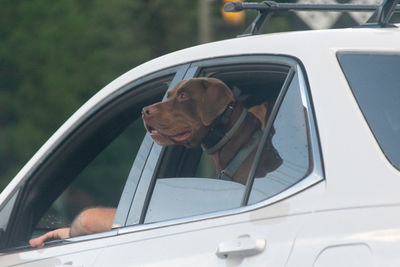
(185, 182)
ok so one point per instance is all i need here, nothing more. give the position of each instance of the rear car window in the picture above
(374, 79)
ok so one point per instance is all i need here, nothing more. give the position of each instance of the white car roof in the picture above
(301, 43)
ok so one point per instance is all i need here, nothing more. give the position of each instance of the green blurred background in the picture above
(54, 55)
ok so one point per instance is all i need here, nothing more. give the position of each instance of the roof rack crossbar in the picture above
(382, 12)
(386, 11)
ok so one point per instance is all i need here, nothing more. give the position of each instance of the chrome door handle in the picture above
(243, 246)
(70, 264)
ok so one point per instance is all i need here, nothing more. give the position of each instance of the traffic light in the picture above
(234, 18)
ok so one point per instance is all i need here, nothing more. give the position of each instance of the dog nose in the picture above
(149, 111)
(145, 112)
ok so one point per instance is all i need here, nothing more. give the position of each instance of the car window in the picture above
(375, 83)
(186, 182)
(88, 166)
(99, 184)
(101, 181)
(188, 196)
(287, 140)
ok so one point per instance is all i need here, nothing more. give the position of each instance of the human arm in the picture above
(90, 221)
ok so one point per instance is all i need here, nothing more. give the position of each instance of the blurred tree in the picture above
(54, 55)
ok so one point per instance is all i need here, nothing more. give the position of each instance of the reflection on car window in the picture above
(375, 82)
(182, 197)
(290, 143)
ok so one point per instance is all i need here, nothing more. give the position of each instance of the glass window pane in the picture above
(104, 157)
(375, 82)
(290, 143)
(188, 196)
(100, 183)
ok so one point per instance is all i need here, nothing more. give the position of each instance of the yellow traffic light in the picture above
(232, 17)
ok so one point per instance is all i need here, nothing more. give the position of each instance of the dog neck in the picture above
(222, 129)
(227, 147)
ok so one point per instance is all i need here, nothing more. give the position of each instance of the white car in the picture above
(333, 201)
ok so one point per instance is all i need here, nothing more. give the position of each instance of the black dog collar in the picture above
(217, 129)
(217, 137)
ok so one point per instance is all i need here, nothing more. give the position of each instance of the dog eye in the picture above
(182, 96)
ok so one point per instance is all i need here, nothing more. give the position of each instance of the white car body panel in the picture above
(356, 208)
(353, 229)
(159, 244)
(74, 254)
(173, 245)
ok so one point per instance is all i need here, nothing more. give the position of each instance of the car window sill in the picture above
(48, 244)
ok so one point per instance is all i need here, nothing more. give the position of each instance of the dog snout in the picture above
(149, 111)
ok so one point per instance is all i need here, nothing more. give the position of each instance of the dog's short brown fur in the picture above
(191, 107)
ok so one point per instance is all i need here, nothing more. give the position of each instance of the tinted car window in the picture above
(87, 166)
(289, 143)
(101, 181)
(375, 82)
(99, 184)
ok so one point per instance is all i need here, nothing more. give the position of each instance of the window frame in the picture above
(137, 213)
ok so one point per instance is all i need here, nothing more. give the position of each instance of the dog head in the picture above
(191, 106)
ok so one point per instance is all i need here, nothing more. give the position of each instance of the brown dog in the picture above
(201, 111)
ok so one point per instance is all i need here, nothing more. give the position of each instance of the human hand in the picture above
(60, 233)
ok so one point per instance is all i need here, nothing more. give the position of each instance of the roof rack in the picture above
(380, 18)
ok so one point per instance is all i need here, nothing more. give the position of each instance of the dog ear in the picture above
(216, 98)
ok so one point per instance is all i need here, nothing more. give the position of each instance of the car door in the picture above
(182, 215)
(86, 163)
